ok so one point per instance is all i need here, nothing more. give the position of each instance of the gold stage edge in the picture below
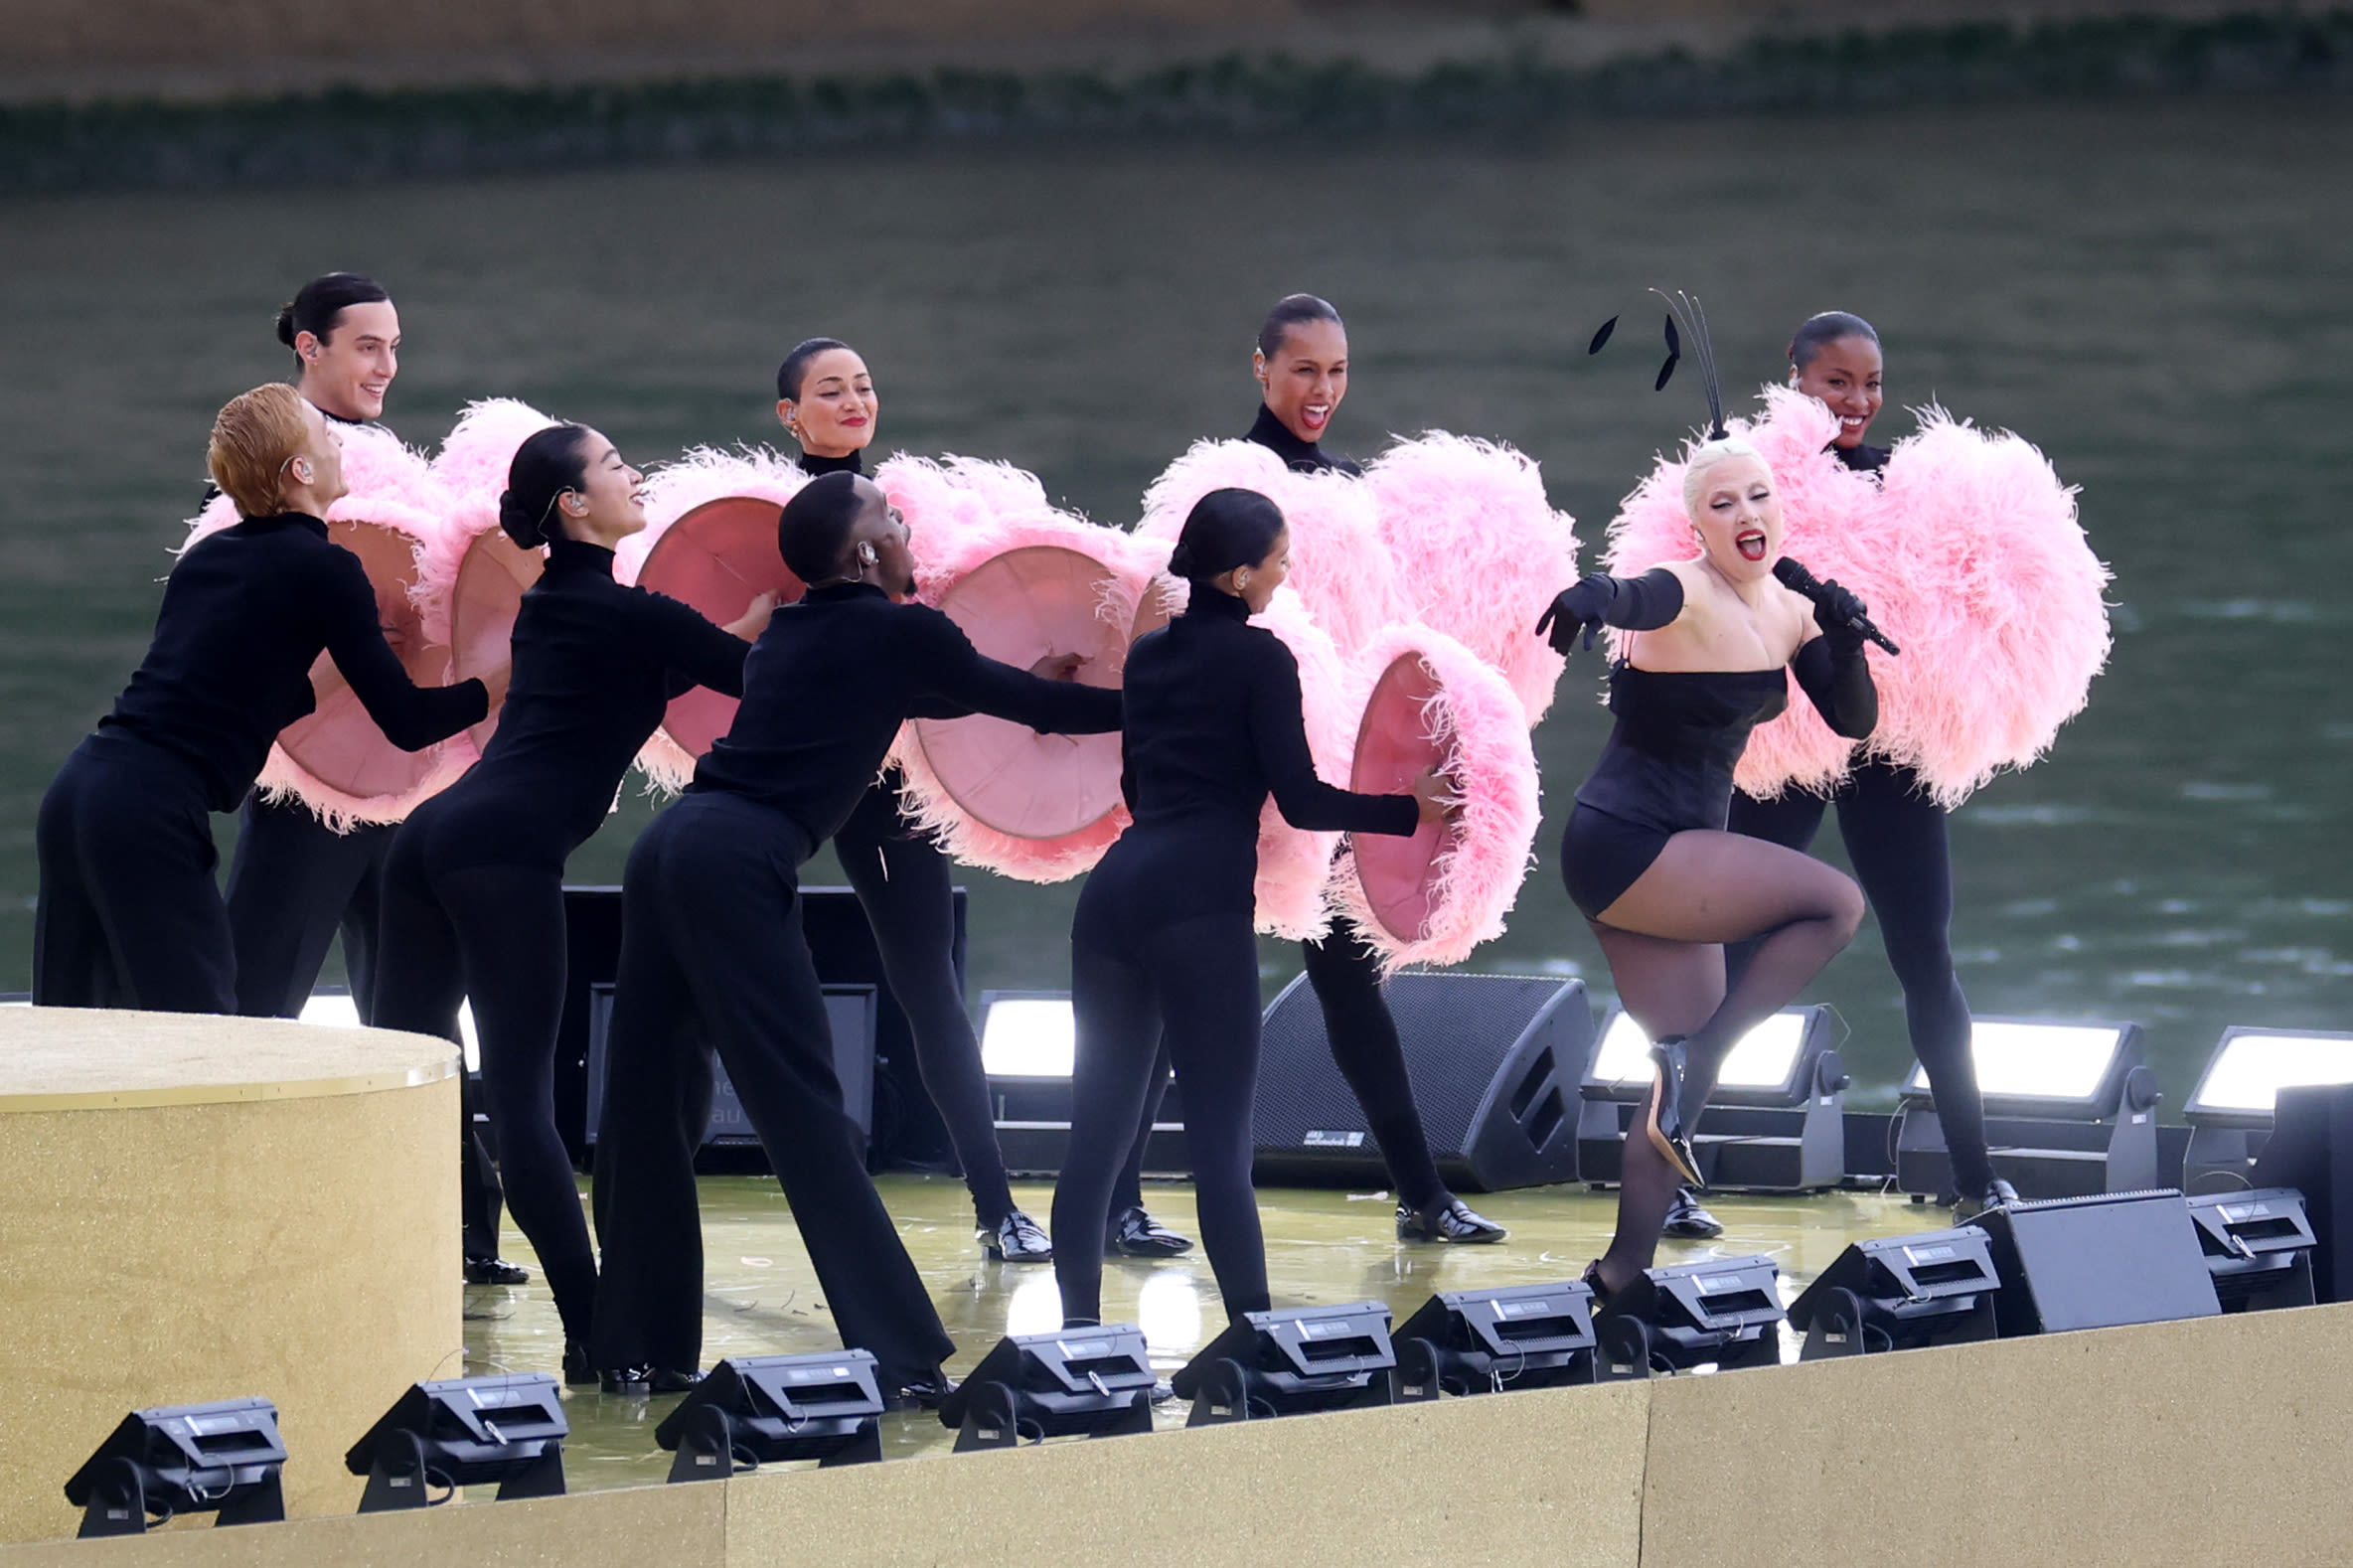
(200, 1209)
(2204, 1441)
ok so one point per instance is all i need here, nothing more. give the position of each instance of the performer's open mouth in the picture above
(1316, 415)
(1751, 543)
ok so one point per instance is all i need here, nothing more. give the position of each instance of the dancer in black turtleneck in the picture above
(1163, 959)
(825, 399)
(474, 887)
(712, 955)
(1302, 364)
(130, 916)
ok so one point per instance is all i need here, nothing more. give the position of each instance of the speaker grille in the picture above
(1457, 1030)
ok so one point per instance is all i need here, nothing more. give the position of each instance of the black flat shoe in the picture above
(673, 1380)
(1998, 1195)
(1018, 1238)
(578, 1372)
(1449, 1219)
(923, 1392)
(482, 1268)
(1687, 1220)
(1669, 1127)
(625, 1380)
(1134, 1233)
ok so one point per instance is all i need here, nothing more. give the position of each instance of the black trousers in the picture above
(1895, 837)
(129, 913)
(294, 885)
(712, 955)
(495, 935)
(904, 885)
(1345, 975)
(1194, 984)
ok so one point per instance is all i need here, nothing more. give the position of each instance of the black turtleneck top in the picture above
(1301, 457)
(595, 664)
(813, 465)
(245, 612)
(1862, 459)
(1213, 727)
(831, 680)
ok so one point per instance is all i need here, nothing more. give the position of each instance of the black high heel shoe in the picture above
(1669, 1128)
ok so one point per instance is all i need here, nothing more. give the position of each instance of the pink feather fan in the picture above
(1341, 564)
(725, 557)
(1995, 598)
(1428, 702)
(1828, 523)
(1480, 551)
(1022, 580)
(336, 761)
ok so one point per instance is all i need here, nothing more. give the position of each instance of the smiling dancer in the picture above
(1302, 365)
(474, 885)
(712, 955)
(1646, 855)
(826, 400)
(130, 916)
(1163, 956)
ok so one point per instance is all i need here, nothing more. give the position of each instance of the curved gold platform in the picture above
(199, 1209)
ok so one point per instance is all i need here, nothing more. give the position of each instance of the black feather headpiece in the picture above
(1684, 308)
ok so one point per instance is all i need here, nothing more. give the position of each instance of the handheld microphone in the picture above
(1798, 579)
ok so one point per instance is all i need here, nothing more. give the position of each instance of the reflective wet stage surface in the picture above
(1323, 1246)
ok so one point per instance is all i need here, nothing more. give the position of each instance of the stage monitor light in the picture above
(2250, 1066)
(1721, 1312)
(1026, 1033)
(1900, 1293)
(1780, 1062)
(222, 1457)
(754, 1410)
(2046, 1067)
(2258, 1246)
(1292, 1362)
(1079, 1382)
(464, 1432)
(1487, 1341)
(339, 1009)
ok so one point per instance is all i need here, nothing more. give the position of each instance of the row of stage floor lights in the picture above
(2072, 1106)
(2033, 1268)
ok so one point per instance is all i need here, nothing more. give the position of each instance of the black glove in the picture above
(1837, 611)
(1581, 605)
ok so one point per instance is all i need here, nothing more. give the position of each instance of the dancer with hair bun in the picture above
(1161, 945)
(826, 402)
(473, 907)
(712, 954)
(1301, 362)
(130, 916)
(1711, 642)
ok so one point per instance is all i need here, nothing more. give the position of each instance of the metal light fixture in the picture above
(2258, 1247)
(2231, 1111)
(1723, 1311)
(754, 1410)
(2071, 1110)
(1488, 1341)
(1776, 1122)
(1090, 1382)
(1900, 1293)
(221, 1459)
(464, 1432)
(1288, 1362)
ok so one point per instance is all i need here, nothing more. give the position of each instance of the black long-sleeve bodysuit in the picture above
(129, 913)
(1162, 948)
(906, 887)
(1345, 975)
(712, 955)
(474, 885)
(1896, 841)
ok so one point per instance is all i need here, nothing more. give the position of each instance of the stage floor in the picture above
(1323, 1246)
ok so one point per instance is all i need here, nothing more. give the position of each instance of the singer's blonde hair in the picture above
(1706, 456)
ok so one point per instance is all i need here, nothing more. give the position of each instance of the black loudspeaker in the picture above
(2312, 1151)
(1493, 1059)
(2096, 1262)
(906, 1130)
(850, 1012)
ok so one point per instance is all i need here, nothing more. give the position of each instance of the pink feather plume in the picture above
(1480, 551)
(1478, 722)
(1340, 565)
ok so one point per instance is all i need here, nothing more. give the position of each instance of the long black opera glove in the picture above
(1835, 678)
(1634, 604)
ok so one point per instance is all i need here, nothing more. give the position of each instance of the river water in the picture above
(2154, 293)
